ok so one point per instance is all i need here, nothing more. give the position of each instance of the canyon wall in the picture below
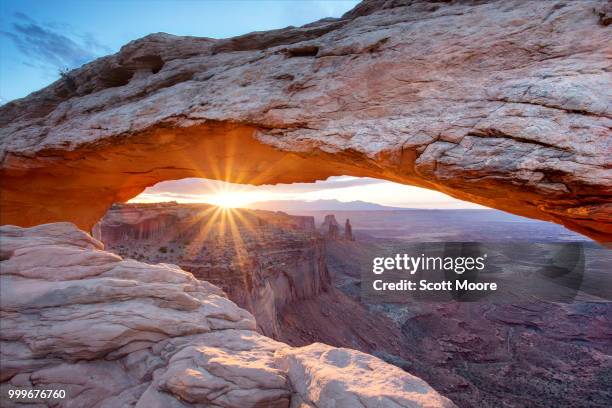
(263, 260)
(530, 352)
(503, 103)
(272, 264)
(116, 332)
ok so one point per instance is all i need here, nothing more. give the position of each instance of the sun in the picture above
(230, 199)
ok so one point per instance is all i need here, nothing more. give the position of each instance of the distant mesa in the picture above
(294, 206)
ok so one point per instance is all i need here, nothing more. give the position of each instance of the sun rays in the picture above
(222, 223)
(222, 220)
(232, 182)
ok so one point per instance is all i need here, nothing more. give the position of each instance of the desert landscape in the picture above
(110, 300)
(301, 275)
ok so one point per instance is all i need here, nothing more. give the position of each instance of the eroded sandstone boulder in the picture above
(505, 103)
(115, 332)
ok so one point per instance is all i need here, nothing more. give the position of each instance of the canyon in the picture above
(301, 277)
(263, 260)
(502, 103)
(269, 263)
(528, 352)
(116, 332)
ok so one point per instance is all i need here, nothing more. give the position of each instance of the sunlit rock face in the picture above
(263, 260)
(116, 332)
(503, 103)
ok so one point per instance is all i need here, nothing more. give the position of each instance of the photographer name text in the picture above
(413, 264)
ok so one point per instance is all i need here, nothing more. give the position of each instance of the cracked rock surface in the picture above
(115, 332)
(503, 103)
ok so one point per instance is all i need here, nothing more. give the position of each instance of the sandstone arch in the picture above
(503, 103)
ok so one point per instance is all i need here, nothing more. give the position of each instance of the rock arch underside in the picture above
(502, 103)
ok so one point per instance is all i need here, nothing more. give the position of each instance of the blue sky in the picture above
(38, 38)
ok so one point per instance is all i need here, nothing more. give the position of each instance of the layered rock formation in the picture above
(348, 231)
(330, 229)
(119, 333)
(263, 260)
(503, 103)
